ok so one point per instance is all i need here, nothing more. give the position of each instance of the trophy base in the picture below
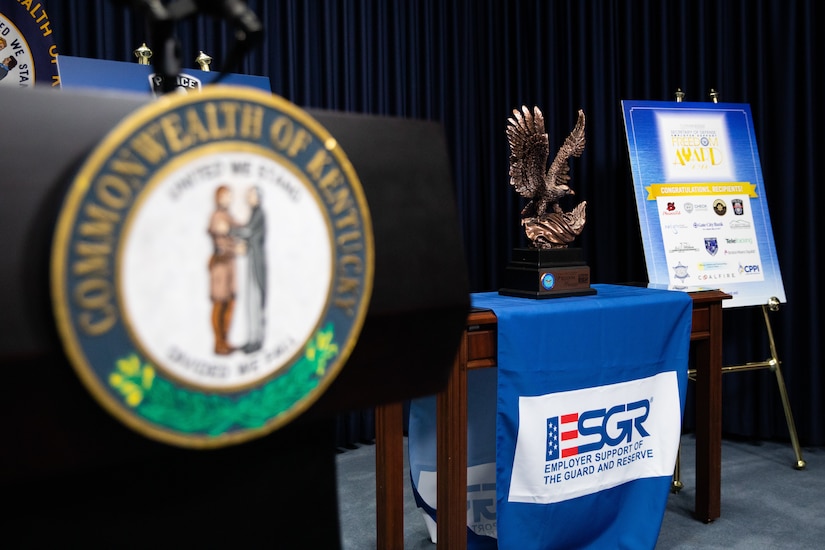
(539, 274)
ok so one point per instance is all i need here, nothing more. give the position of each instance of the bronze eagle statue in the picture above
(544, 186)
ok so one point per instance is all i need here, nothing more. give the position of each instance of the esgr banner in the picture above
(590, 392)
(481, 459)
(579, 442)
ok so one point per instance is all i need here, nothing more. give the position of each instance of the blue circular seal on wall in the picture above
(28, 54)
(212, 266)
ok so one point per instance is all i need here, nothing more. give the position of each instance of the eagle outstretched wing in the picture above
(545, 222)
(529, 151)
(573, 146)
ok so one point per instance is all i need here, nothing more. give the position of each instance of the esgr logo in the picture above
(575, 433)
(574, 443)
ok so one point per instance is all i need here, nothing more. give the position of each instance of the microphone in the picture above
(248, 30)
(236, 13)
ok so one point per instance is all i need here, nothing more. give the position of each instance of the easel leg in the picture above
(783, 392)
(676, 485)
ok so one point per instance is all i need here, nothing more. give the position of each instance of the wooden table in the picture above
(478, 350)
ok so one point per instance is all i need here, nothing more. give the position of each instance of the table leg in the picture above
(389, 475)
(709, 419)
(451, 414)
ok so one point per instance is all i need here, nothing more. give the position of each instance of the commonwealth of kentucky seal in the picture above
(212, 266)
(28, 54)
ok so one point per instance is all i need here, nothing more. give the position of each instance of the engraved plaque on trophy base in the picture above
(547, 273)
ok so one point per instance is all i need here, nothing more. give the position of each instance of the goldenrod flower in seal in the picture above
(132, 379)
(321, 350)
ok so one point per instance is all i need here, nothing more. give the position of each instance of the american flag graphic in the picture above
(562, 432)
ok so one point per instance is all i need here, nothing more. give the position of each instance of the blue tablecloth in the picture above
(590, 395)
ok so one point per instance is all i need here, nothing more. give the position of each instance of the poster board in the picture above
(701, 200)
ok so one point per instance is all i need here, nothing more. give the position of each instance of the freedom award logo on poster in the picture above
(212, 266)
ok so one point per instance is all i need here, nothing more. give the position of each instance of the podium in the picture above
(77, 475)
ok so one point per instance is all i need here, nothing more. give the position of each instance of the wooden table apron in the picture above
(478, 350)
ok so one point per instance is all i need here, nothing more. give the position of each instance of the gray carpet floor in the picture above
(766, 504)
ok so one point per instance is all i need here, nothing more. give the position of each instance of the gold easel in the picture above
(772, 363)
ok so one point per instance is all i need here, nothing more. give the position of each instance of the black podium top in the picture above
(420, 292)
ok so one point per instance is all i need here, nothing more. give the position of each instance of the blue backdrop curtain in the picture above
(468, 63)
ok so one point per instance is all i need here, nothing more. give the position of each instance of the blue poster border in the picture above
(753, 283)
